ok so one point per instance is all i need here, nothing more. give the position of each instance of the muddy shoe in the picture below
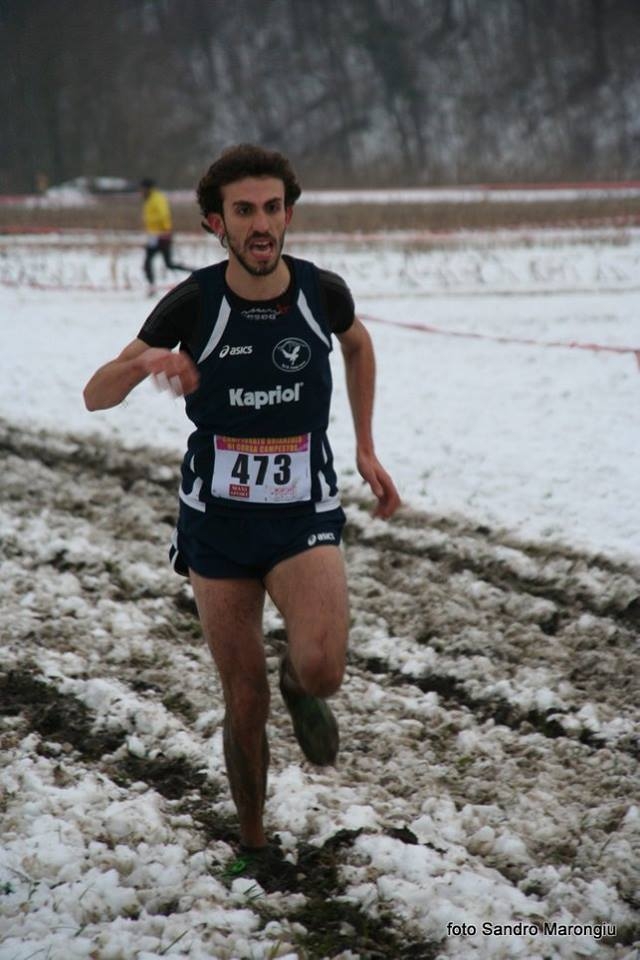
(314, 724)
(265, 865)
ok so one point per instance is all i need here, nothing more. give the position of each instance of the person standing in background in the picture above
(156, 216)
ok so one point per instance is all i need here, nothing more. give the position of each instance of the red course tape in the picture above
(526, 341)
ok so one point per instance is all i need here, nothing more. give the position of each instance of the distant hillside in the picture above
(357, 92)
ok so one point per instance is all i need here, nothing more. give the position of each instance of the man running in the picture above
(158, 224)
(259, 508)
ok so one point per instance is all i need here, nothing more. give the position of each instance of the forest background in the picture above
(356, 92)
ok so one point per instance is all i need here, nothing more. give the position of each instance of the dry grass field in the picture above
(123, 213)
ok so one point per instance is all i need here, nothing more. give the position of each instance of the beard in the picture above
(257, 269)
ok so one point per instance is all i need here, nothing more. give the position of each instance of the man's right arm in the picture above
(113, 381)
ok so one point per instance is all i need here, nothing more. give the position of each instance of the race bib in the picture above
(263, 469)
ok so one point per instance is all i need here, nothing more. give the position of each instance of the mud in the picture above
(485, 672)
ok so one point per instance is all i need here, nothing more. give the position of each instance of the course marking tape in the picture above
(494, 338)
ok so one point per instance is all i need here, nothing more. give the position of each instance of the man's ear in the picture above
(288, 213)
(216, 224)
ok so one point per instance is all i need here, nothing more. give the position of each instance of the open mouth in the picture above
(262, 248)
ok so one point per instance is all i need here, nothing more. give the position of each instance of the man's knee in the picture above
(319, 672)
(247, 699)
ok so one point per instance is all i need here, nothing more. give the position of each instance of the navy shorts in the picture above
(223, 546)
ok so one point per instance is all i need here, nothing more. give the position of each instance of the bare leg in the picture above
(310, 591)
(248, 783)
(231, 616)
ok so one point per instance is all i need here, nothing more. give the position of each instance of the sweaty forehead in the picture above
(257, 190)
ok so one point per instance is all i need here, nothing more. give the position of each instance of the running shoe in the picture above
(314, 724)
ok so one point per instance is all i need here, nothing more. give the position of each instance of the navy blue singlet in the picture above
(262, 408)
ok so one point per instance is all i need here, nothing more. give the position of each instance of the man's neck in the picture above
(249, 287)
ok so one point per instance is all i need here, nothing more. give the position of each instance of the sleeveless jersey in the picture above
(261, 410)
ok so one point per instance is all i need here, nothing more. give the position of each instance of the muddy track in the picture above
(458, 592)
(468, 595)
(486, 673)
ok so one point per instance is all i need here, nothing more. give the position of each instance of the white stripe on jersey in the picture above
(327, 500)
(192, 499)
(303, 306)
(218, 329)
(323, 506)
(173, 550)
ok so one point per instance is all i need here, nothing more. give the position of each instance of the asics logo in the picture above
(314, 538)
(235, 351)
(238, 397)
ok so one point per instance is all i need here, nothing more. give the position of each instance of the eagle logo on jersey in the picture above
(291, 355)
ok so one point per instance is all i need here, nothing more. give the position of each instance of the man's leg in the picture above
(230, 612)
(147, 266)
(310, 590)
(166, 248)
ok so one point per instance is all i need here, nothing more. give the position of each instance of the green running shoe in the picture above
(314, 724)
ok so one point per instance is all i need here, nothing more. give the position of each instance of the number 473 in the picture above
(254, 469)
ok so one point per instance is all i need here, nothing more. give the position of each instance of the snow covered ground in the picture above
(490, 713)
(542, 440)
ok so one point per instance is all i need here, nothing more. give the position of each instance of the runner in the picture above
(158, 223)
(259, 507)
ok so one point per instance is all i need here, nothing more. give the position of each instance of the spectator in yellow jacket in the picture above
(156, 216)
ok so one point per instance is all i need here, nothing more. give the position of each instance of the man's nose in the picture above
(261, 222)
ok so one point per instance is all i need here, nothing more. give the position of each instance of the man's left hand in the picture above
(381, 484)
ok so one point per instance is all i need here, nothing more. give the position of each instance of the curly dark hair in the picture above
(245, 160)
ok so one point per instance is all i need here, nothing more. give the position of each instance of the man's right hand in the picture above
(173, 371)
(112, 382)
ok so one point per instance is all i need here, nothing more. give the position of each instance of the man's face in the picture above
(254, 221)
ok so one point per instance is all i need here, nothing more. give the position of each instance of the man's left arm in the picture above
(360, 367)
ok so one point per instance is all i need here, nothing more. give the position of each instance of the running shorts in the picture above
(226, 546)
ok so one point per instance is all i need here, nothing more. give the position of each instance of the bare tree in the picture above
(406, 91)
